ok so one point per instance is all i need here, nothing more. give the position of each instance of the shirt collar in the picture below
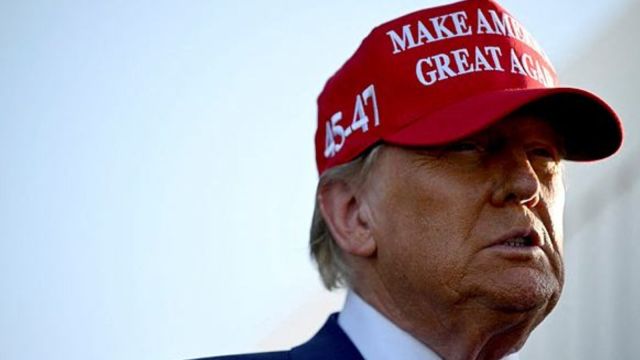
(377, 338)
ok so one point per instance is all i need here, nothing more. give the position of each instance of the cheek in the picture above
(403, 218)
(427, 223)
(555, 199)
(430, 210)
(454, 206)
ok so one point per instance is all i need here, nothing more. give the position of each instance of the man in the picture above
(439, 146)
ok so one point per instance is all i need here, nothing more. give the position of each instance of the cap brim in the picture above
(591, 130)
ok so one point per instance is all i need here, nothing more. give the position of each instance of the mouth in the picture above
(520, 241)
(520, 244)
(519, 238)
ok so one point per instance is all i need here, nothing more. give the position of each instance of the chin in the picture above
(524, 290)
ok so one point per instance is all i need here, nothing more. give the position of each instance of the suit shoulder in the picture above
(275, 355)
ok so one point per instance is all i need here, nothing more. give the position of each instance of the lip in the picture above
(518, 253)
(536, 239)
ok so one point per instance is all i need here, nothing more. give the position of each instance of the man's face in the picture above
(474, 223)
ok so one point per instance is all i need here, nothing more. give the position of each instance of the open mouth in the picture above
(519, 242)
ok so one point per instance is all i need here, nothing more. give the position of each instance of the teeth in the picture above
(517, 242)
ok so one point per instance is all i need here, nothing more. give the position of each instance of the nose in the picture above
(516, 181)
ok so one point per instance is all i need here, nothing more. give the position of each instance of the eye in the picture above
(544, 152)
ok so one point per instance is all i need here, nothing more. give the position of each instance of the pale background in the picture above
(157, 175)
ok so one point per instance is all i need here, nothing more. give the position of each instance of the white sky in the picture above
(157, 165)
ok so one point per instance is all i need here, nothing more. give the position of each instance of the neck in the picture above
(467, 330)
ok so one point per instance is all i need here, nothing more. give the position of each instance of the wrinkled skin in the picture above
(434, 216)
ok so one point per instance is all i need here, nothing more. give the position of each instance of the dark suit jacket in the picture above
(330, 343)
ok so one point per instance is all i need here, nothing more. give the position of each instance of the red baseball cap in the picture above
(440, 74)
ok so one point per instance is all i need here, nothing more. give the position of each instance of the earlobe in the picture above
(347, 218)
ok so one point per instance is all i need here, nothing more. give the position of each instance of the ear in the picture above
(347, 218)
